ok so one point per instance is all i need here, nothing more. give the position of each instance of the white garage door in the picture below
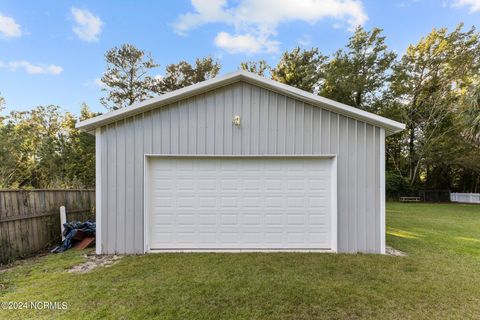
(230, 203)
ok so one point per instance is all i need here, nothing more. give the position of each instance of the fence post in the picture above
(63, 219)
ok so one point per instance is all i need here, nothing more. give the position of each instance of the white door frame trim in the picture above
(146, 199)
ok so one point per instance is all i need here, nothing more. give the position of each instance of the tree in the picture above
(357, 76)
(259, 67)
(428, 84)
(41, 148)
(127, 78)
(452, 162)
(79, 150)
(183, 74)
(470, 116)
(2, 107)
(25, 136)
(300, 68)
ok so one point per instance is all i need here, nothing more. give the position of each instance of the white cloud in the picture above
(256, 21)
(337, 26)
(266, 15)
(305, 40)
(407, 3)
(95, 83)
(99, 83)
(87, 26)
(35, 69)
(9, 28)
(473, 4)
(245, 43)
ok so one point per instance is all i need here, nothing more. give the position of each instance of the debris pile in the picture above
(77, 234)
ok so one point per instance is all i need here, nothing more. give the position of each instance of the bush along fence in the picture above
(30, 219)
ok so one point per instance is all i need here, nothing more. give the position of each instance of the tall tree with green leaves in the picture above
(357, 75)
(470, 115)
(26, 141)
(428, 85)
(183, 74)
(127, 78)
(41, 148)
(259, 67)
(300, 68)
(2, 107)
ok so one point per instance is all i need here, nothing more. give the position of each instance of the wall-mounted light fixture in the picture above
(236, 120)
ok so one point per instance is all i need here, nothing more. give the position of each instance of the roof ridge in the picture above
(390, 126)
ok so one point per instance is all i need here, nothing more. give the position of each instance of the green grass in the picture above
(439, 279)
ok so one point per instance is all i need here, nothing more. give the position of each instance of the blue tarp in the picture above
(71, 229)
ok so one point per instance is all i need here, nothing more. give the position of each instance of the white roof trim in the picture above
(390, 126)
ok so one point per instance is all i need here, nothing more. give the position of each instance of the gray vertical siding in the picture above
(272, 123)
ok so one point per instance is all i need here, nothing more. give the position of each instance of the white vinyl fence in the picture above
(465, 197)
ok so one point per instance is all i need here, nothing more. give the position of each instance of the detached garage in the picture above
(240, 163)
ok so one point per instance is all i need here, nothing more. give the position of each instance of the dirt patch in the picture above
(394, 252)
(94, 261)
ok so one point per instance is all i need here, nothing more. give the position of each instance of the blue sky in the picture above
(51, 52)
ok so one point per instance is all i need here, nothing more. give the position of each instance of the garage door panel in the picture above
(239, 203)
(229, 201)
(229, 219)
(318, 238)
(317, 219)
(273, 219)
(206, 219)
(163, 220)
(229, 185)
(183, 184)
(296, 219)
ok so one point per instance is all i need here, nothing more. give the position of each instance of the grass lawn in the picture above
(439, 279)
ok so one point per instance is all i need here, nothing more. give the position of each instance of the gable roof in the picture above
(389, 125)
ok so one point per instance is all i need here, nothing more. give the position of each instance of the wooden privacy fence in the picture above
(30, 219)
